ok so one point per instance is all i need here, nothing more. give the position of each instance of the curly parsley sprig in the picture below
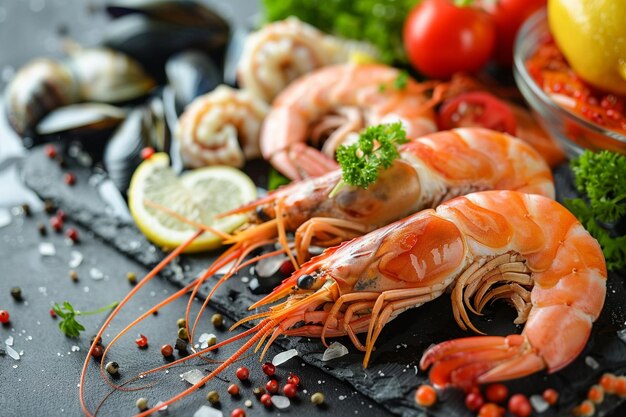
(69, 325)
(375, 150)
(600, 178)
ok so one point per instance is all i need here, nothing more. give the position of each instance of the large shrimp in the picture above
(282, 51)
(524, 248)
(221, 127)
(332, 104)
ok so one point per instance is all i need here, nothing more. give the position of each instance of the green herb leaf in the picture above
(69, 325)
(401, 80)
(376, 149)
(600, 178)
(275, 179)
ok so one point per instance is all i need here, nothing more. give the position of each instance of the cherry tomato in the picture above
(473, 401)
(508, 16)
(426, 396)
(491, 410)
(497, 393)
(441, 39)
(519, 406)
(476, 109)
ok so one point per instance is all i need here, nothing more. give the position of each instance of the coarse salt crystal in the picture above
(280, 402)
(96, 274)
(193, 376)
(162, 409)
(5, 218)
(539, 404)
(334, 351)
(9, 341)
(206, 411)
(76, 258)
(591, 362)
(47, 249)
(284, 357)
(75, 348)
(13, 353)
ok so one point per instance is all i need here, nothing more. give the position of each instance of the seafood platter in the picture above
(391, 210)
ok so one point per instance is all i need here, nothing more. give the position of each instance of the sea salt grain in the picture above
(193, 376)
(13, 353)
(9, 341)
(162, 409)
(76, 258)
(284, 357)
(334, 351)
(591, 362)
(280, 402)
(539, 404)
(96, 274)
(5, 218)
(47, 249)
(206, 411)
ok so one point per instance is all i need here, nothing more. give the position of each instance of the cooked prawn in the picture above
(282, 51)
(221, 127)
(524, 248)
(335, 103)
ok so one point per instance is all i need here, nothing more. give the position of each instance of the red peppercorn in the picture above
(53, 313)
(286, 268)
(272, 386)
(60, 214)
(4, 316)
(290, 390)
(491, 410)
(497, 393)
(238, 412)
(56, 223)
(167, 350)
(142, 341)
(519, 406)
(293, 379)
(51, 151)
(266, 400)
(72, 234)
(268, 368)
(69, 178)
(147, 152)
(233, 389)
(97, 351)
(607, 381)
(243, 373)
(474, 400)
(426, 396)
(551, 396)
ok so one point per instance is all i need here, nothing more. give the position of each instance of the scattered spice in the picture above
(242, 373)
(425, 396)
(74, 276)
(5, 317)
(142, 404)
(317, 398)
(16, 293)
(132, 278)
(497, 393)
(233, 389)
(56, 223)
(41, 228)
(147, 152)
(217, 320)
(69, 178)
(142, 341)
(49, 206)
(268, 368)
(238, 412)
(258, 391)
(474, 400)
(183, 334)
(272, 386)
(112, 368)
(266, 400)
(167, 350)
(26, 209)
(213, 397)
(519, 406)
(50, 151)
(97, 351)
(293, 379)
(290, 390)
(181, 323)
(551, 396)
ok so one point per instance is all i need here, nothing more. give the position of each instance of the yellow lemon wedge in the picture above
(198, 195)
(592, 36)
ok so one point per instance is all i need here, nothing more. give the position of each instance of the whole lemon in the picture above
(592, 36)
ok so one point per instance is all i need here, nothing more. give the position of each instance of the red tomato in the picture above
(508, 16)
(476, 109)
(441, 38)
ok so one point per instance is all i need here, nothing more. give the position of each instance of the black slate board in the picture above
(392, 377)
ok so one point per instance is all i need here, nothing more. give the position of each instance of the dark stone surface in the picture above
(391, 378)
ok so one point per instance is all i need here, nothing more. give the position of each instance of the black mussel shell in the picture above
(153, 42)
(191, 74)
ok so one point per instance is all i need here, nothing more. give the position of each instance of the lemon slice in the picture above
(197, 195)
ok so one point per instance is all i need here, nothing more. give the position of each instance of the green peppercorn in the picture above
(213, 397)
(181, 323)
(16, 293)
(142, 404)
(217, 320)
(132, 278)
(74, 276)
(183, 334)
(211, 340)
(258, 391)
(317, 398)
(112, 368)
(49, 206)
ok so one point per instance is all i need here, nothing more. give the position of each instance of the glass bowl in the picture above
(574, 133)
